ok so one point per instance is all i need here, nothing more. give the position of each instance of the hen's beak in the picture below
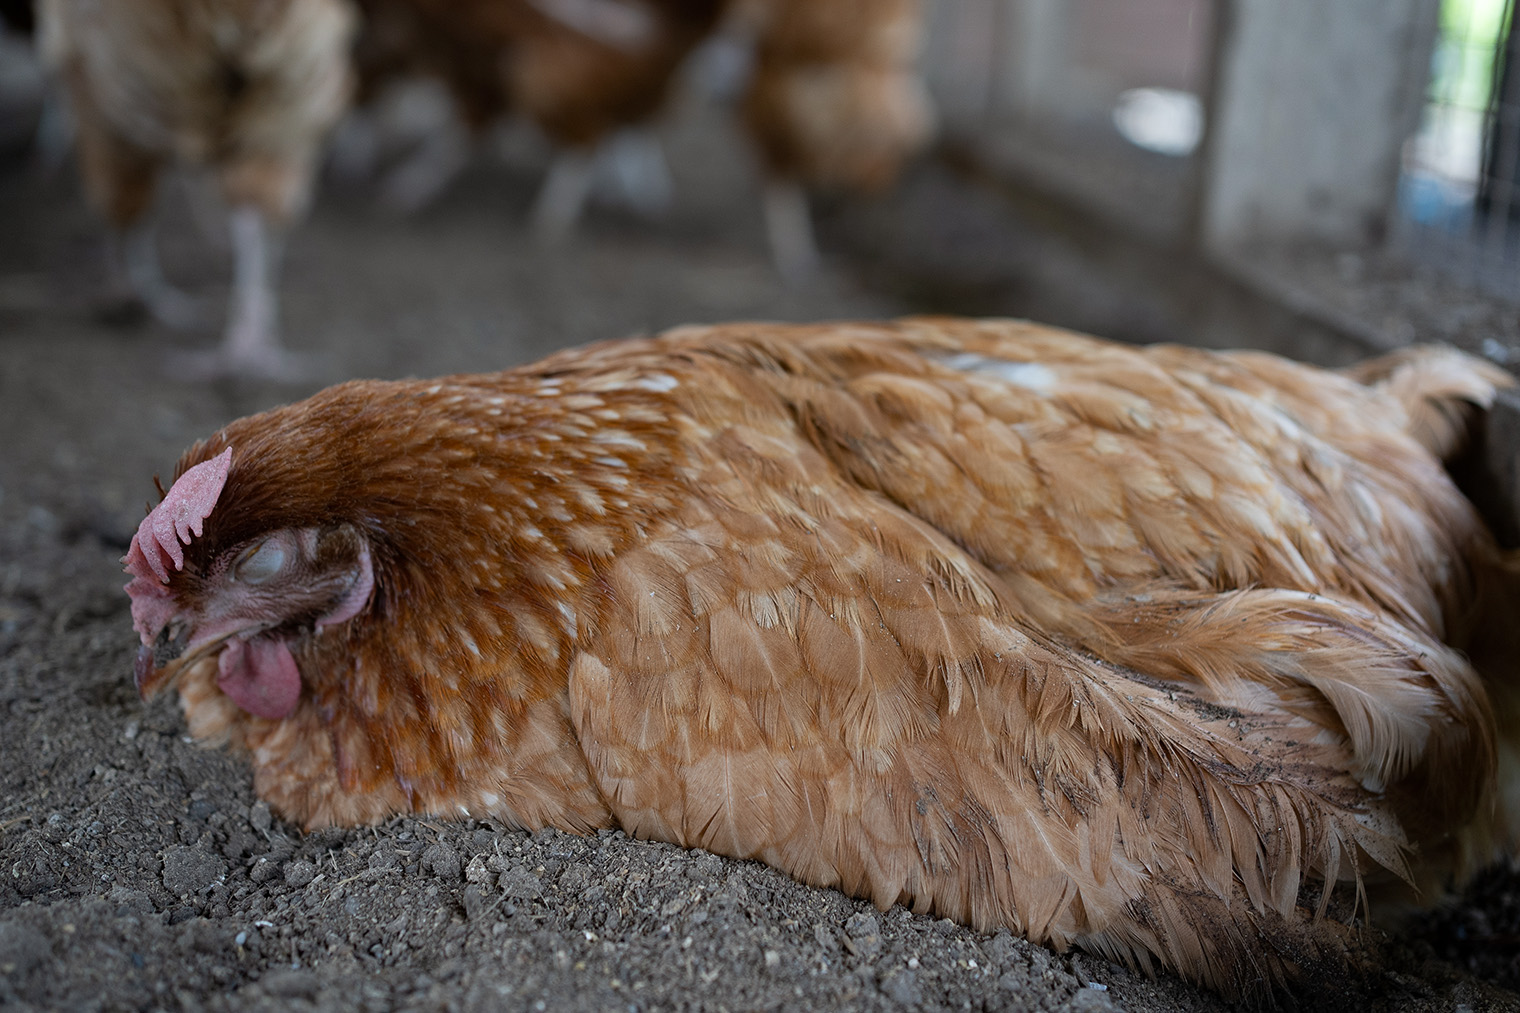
(150, 672)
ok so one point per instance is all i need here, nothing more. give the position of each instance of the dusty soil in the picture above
(138, 870)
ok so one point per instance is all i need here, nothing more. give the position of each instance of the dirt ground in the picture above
(138, 870)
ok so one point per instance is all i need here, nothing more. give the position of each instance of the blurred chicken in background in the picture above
(585, 76)
(245, 88)
(427, 86)
(831, 93)
(836, 101)
(586, 73)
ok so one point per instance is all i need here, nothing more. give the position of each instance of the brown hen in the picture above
(1142, 650)
(580, 70)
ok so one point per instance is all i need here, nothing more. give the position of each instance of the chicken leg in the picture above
(138, 274)
(789, 227)
(563, 197)
(251, 345)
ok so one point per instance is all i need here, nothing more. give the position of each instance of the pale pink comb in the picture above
(161, 538)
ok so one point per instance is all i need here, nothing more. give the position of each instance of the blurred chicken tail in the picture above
(1443, 392)
(1440, 388)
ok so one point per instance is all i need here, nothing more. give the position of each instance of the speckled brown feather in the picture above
(1143, 650)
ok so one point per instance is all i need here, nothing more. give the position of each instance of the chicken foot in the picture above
(137, 274)
(789, 227)
(563, 197)
(436, 162)
(636, 172)
(250, 346)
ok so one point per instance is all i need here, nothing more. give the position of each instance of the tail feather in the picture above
(1439, 387)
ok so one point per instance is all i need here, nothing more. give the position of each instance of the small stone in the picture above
(262, 871)
(259, 817)
(1090, 1000)
(128, 901)
(299, 872)
(203, 936)
(189, 870)
(239, 844)
(1013, 981)
(521, 885)
(1003, 949)
(477, 871)
(443, 862)
(860, 924)
(290, 984)
(901, 986)
(21, 948)
(862, 935)
(474, 901)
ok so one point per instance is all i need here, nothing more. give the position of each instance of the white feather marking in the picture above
(1029, 375)
(572, 625)
(617, 438)
(657, 382)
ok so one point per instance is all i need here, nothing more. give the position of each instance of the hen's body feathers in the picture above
(1142, 650)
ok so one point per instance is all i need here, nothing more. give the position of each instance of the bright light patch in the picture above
(1163, 120)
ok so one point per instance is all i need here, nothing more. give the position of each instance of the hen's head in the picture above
(245, 601)
(363, 591)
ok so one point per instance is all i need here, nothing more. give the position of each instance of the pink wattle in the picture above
(260, 675)
(152, 608)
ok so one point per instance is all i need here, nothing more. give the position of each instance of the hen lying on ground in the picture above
(245, 88)
(1142, 650)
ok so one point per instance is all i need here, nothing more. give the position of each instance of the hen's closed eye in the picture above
(1143, 650)
(260, 563)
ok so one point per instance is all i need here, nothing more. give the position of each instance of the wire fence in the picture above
(1107, 102)
(1459, 197)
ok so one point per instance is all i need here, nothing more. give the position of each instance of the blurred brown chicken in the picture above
(836, 102)
(1142, 650)
(834, 99)
(580, 70)
(247, 88)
